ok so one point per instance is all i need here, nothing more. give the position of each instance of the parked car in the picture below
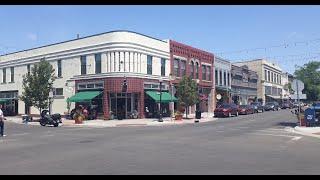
(226, 110)
(274, 106)
(257, 107)
(246, 109)
(286, 105)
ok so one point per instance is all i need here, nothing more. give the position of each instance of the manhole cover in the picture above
(86, 141)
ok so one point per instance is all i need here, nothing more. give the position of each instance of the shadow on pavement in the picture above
(288, 124)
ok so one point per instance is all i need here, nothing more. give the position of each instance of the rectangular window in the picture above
(149, 64)
(28, 69)
(280, 79)
(176, 67)
(265, 75)
(183, 68)
(204, 72)
(269, 76)
(4, 75)
(58, 91)
(268, 90)
(83, 60)
(228, 79)
(163, 67)
(224, 78)
(97, 58)
(12, 74)
(59, 68)
(216, 76)
(209, 73)
(220, 79)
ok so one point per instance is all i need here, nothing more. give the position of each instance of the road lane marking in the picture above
(280, 135)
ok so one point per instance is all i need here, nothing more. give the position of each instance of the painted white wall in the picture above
(138, 45)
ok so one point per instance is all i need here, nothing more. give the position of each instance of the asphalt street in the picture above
(248, 144)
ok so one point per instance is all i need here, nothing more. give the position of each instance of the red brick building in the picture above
(199, 64)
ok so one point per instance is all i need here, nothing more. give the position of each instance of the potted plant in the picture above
(178, 116)
(78, 117)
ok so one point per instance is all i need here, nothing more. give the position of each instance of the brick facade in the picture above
(114, 85)
(191, 53)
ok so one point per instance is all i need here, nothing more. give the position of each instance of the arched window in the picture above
(192, 69)
(197, 70)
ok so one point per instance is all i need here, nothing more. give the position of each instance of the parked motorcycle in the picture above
(53, 119)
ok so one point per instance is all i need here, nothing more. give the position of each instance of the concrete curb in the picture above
(294, 130)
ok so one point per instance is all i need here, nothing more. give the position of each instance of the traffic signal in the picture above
(124, 85)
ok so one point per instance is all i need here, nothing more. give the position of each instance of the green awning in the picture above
(3, 100)
(165, 97)
(84, 96)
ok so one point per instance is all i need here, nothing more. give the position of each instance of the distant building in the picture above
(222, 74)
(243, 84)
(269, 79)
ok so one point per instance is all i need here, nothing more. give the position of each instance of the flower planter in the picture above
(178, 117)
(79, 120)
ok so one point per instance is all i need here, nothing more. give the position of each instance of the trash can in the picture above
(198, 114)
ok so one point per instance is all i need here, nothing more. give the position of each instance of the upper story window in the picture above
(83, 60)
(149, 64)
(4, 75)
(228, 79)
(183, 68)
(192, 69)
(97, 58)
(176, 67)
(12, 74)
(272, 79)
(220, 78)
(57, 91)
(197, 70)
(216, 76)
(209, 73)
(280, 79)
(59, 68)
(269, 76)
(224, 78)
(204, 72)
(265, 75)
(163, 67)
(28, 69)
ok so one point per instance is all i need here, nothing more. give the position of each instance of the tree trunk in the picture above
(187, 108)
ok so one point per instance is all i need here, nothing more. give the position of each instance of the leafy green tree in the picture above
(309, 74)
(187, 92)
(37, 85)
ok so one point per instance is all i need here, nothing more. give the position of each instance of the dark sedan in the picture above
(257, 107)
(226, 110)
(286, 105)
(246, 109)
(274, 106)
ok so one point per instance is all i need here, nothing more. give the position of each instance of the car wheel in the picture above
(42, 123)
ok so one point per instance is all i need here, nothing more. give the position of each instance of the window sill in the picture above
(58, 97)
(11, 82)
(4, 83)
(59, 77)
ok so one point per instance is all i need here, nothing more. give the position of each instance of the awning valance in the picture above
(3, 100)
(165, 97)
(84, 96)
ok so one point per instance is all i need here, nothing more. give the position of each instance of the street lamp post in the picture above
(172, 104)
(198, 112)
(160, 108)
(50, 99)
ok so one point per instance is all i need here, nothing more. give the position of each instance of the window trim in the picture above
(95, 61)
(83, 65)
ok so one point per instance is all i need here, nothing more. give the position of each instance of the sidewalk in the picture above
(206, 117)
(307, 131)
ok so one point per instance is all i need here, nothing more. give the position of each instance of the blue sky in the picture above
(213, 28)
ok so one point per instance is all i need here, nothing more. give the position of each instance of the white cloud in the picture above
(32, 36)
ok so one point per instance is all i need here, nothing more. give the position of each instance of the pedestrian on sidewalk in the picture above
(1, 122)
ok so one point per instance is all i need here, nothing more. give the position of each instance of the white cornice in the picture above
(118, 74)
(118, 46)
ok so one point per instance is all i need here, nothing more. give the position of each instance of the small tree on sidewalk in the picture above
(37, 85)
(187, 92)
